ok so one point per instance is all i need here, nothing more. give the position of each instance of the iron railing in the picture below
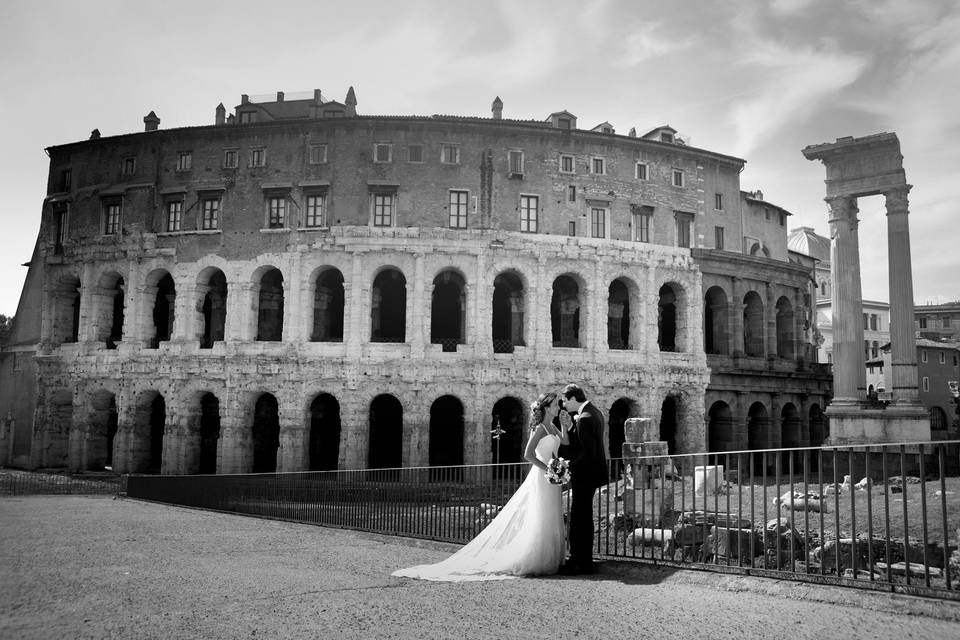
(879, 517)
(17, 483)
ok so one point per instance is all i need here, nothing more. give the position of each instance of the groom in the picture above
(588, 470)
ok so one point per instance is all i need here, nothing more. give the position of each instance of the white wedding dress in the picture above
(525, 539)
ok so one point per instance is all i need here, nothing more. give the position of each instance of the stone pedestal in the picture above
(648, 496)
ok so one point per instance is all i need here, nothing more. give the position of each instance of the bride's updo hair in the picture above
(537, 408)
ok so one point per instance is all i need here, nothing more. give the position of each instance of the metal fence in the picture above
(880, 517)
(16, 483)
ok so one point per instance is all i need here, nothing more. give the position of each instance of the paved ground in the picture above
(95, 567)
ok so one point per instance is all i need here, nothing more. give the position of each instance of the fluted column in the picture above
(903, 347)
(847, 301)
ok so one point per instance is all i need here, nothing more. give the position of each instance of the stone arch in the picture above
(667, 317)
(327, 293)
(108, 308)
(786, 328)
(159, 295)
(753, 325)
(388, 307)
(621, 328)
(270, 303)
(386, 433)
(758, 435)
(325, 427)
(790, 436)
(146, 437)
(99, 432)
(446, 432)
(716, 334)
(66, 309)
(669, 420)
(209, 433)
(448, 309)
(721, 435)
(565, 314)
(938, 419)
(508, 415)
(212, 305)
(265, 433)
(620, 411)
(508, 311)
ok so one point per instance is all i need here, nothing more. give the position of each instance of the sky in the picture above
(756, 79)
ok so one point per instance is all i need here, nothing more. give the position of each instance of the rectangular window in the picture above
(866, 321)
(641, 171)
(718, 201)
(129, 166)
(258, 157)
(566, 163)
(529, 206)
(564, 123)
(230, 158)
(382, 152)
(276, 212)
(66, 180)
(718, 237)
(60, 222)
(641, 225)
(383, 209)
(943, 358)
(450, 154)
(415, 153)
(923, 356)
(174, 215)
(873, 322)
(318, 153)
(516, 163)
(926, 383)
(184, 160)
(598, 222)
(315, 214)
(572, 228)
(211, 214)
(683, 231)
(923, 323)
(783, 219)
(946, 322)
(246, 117)
(572, 193)
(458, 209)
(111, 217)
(677, 178)
(598, 166)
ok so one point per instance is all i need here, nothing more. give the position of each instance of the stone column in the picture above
(903, 347)
(418, 308)
(355, 297)
(847, 302)
(735, 319)
(770, 321)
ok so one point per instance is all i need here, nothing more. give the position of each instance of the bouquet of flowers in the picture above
(558, 471)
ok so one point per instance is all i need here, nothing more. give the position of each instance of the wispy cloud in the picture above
(649, 41)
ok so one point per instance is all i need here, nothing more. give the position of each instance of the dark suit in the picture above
(588, 470)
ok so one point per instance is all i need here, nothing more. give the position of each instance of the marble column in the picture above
(903, 347)
(849, 375)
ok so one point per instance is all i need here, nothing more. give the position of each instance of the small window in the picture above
(450, 154)
(572, 228)
(112, 210)
(129, 166)
(211, 213)
(873, 322)
(383, 209)
(641, 224)
(382, 152)
(230, 157)
(783, 219)
(598, 222)
(926, 383)
(866, 321)
(923, 323)
(946, 322)
(684, 229)
(598, 166)
(529, 210)
(718, 237)
(415, 153)
(566, 163)
(174, 215)
(318, 153)
(516, 163)
(641, 171)
(315, 215)
(678, 178)
(258, 157)
(943, 358)
(666, 137)
(718, 201)
(923, 356)
(60, 224)
(276, 212)
(184, 160)
(458, 209)
(564, 123)
(66, 180)
(572, 193)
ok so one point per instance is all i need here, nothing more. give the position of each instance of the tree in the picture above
(6, 323)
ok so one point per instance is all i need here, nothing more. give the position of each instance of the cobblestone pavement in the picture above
(98, 567)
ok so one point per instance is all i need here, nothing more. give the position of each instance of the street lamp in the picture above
(495, 433)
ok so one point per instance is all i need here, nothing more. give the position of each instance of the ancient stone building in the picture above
(299, 286)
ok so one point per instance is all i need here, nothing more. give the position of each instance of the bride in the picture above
(527, 536)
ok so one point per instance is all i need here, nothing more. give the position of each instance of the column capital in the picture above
(841, 207)
(896, 199)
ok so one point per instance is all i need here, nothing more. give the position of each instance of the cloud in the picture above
(652, 40)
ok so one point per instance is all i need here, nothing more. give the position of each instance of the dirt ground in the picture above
(97, 567)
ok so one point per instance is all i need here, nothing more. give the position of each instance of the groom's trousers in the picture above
(581, 524)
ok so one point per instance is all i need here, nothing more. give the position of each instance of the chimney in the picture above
(633, 132)
(351, 102)
(151, 122)
(221, 114)
(244, 99)
(317, 97)
(279, 96)
(95, 134)
(231, 118)
(497, 108)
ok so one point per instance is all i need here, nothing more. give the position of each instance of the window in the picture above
(684, 228)
(529, 206)
(211, 213)
(943, 358)
(666, 137)
(382, 152)
(641, 223)
(874, 349)
(246, 117)
(598, 166)
(258, 157)
(450, 154)
(640, 172)
(783, 219)
(567, 163)
(516, 163)
(316, 210)
(383, 209)
(318, 153)
(718, 237)
(926, 383)
(60, 225)
(677, 178)
(129, 166)
(572, 228)
(564, 123)
(415, 153)
(184, 160)
(458, 209)
(230, 158)
(946, 322)
(718, 201)
(923, 323)
(866, 349)
(66, 180)
(866, 321)
(598, 222)
(174, 215)
(923, 356)
(572, 193)
(276, 212)
(111, 217)
(873, 322)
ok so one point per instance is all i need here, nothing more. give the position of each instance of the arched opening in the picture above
(209, 432)
(667, 319)
(158, 421)
(758, 428)
(388, 309)
(448, 310)
(386, 433)
(790, 436)
(270, 307)
(785, 328)
(753, 343)
(715, 331)
(938, 419)
(668, 423)
(214, 310)
(620, 412)
(324, 433)
(507, 417)
(446, 436)
(266, 434)
(720, 434)
(328, 306)
(108, 309)
(618, 316)
(66, 321)
(507, 313)
(164, 303)
(102, 418)
(565, 312)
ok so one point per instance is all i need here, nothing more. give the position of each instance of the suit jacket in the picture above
(588, 462)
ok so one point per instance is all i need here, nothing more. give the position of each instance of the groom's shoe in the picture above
(568, 569)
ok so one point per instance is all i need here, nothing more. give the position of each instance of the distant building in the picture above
(938, 365)
(938, 322)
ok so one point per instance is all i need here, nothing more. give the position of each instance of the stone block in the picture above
(735, 543)
(707, 479)
(638, 430)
